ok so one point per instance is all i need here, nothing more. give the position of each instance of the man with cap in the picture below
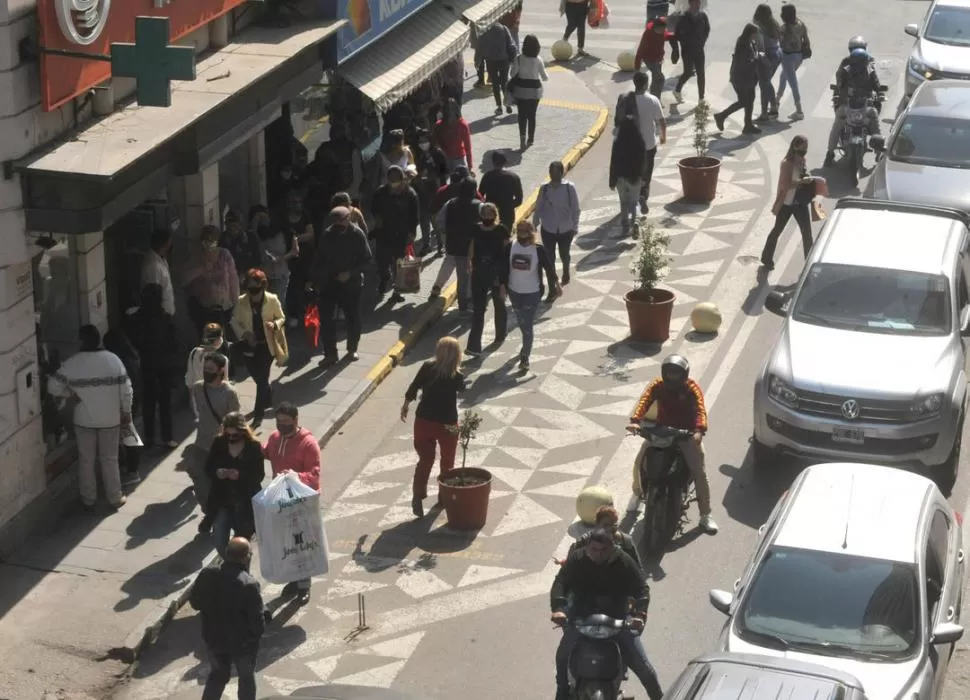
(397, 213)
(338, 279)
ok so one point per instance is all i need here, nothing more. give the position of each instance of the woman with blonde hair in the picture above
(796, 189)
(436, 418)
(235, 468)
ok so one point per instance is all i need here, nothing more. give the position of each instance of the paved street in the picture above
(449, 616)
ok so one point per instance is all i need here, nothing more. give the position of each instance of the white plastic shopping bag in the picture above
(289, 531)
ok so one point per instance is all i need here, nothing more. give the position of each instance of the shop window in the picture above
(58, 320)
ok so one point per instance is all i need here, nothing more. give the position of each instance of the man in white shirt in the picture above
(653, 126)
(154, 268)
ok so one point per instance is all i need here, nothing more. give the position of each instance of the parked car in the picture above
(758, 677)
(926, 158)
(869, 363)
(860, 568)
(942, 48)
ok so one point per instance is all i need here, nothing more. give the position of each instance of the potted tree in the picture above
(698, 174)
(649, 308)
(464, 492)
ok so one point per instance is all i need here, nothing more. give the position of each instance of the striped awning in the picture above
(484, 13)
(395, 65)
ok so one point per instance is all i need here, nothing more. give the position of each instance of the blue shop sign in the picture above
(367, 20)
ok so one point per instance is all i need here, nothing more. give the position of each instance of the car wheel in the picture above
(762, 456)
(946, 473)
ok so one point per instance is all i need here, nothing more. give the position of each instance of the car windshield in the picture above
(949, 25)
(874, 300)
(926, 140)
(835, 604)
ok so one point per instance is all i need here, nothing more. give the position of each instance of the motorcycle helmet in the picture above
(858, 42)
(859, 53)
(675, 369)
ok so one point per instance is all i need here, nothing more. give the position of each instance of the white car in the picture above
(859, 568)
(942, 48)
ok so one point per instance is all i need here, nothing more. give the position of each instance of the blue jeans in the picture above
(278, 287)
(634, 656)
(789, 65)
(221, 529)
(526, 306)
(766, 73)
(629, 194)
(220, 664)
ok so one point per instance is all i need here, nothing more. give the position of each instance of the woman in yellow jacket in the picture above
(260, 324)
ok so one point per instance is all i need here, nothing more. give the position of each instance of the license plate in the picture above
(850, 435)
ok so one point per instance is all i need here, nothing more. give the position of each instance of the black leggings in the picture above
(576, 14)
(498, 73)
(527, 118)
(745, 101)
(561, 242)
(804, 219)
(693, 65)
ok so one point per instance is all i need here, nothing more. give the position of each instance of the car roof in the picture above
(855, 509)
(942, 98)
(731, 676)
(884, 238)
(952, 3)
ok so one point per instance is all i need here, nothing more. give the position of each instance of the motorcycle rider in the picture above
(601, 579)
(608, 519)
(680, 404)
(856, 77)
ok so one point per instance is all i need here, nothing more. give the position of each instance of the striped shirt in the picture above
(682, 409)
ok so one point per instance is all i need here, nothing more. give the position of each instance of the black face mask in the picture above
(264, 230)
(209, 377)
(234, 439)
(285, 429)
(488, 222)
(254, 292)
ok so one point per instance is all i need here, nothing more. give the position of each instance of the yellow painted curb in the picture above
(449, 294)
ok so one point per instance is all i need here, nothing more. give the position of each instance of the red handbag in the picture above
(311, 324)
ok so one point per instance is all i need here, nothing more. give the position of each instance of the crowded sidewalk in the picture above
(125, 572)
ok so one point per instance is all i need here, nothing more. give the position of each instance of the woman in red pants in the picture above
(436, 419)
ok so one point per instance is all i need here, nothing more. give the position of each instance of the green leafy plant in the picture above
(467, 430)
(651, 262)
(702, 118)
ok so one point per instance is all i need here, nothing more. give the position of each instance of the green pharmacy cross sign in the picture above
(151, 61)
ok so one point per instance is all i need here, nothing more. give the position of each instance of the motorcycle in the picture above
(854, 139)
(665, 481)
(596, 667)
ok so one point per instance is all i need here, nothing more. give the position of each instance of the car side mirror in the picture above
(777, 303)
(965, 321)
(721, 600)
(877, 143)
(912, 30)
(946, 633)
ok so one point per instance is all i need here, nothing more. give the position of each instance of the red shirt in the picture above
(455, 139)
(652, 46)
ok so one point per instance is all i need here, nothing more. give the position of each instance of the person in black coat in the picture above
(155, 339)
(744, 79)
(626, 169)
(235, 469)
(691, 34)
(397, 213)
(231, 607)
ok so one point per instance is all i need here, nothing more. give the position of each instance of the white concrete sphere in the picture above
(562, 50)
(706, 317)
(626, 61)
(590, 500)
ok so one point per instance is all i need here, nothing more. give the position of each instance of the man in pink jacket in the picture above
(291, 448)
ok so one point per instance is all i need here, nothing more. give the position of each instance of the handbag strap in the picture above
(212, 409)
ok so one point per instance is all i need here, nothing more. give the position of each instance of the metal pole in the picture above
(76, 54)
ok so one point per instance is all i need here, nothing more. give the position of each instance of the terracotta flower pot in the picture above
(464, 494)
(649, 311)
(698, 176)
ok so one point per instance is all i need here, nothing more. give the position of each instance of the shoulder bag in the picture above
(212, 409)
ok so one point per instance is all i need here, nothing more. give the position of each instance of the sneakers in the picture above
(498, 111)
(797, 115)
(719, 121)
(751, 129)
(829, 159)
(352, 356)
(677, 96)
(524, 364)
(508, 109)
(120, 502)
(417, 507)
(708, 525)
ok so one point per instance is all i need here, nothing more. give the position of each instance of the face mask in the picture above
(234, 439)
(801, 153)
(285, 429)
(424, 145)
(209, 245)
(264, 230)
(254, 292)
(209, 377)
(488, 222)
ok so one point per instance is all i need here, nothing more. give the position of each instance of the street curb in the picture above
(152, 625)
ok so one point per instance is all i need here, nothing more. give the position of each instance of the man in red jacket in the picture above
(653, 45)
(291, 448)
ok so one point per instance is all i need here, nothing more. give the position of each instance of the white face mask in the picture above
(424, 146)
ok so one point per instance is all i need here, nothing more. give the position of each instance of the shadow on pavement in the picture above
(750, 497)
(174, 514)
(165, 576)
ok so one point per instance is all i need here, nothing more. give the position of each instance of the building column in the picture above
(92, 288)
(202, 200)
(257, 169)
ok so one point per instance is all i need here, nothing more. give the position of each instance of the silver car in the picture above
(926, 158)
(859, 568)
(942, 48)
(869, 364)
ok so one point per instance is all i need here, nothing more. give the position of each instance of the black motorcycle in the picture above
(854, 139)
(596, 667)
(665, 482)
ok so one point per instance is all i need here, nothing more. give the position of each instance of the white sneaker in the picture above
(708, 525)
(678, 97)
(797, 115)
